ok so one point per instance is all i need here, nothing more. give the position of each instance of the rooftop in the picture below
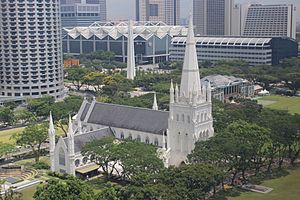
(118, 29)
(127, 117)
(219, 81)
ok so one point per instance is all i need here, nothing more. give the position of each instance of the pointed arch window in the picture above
(147, 140)
(77, 162)
(138, 138)
(85, 160)
(62, 157)
(130, 137)
(156, 142)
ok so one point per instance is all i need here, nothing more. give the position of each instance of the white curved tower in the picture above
(30, 48)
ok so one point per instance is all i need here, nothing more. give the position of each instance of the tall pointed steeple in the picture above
(71, 148)
(155, 106)
(130, 52)
(51, 133)
(190, 79)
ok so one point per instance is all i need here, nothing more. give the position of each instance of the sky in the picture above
(125, 9)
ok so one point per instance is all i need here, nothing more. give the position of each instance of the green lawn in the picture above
(287, 187)
(28, 193)
(292, 104)
(5, 135)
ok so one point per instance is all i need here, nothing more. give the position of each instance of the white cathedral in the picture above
(174, 133)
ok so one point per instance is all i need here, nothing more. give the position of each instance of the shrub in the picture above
(41, 165)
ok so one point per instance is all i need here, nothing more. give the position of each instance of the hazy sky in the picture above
(125, 9)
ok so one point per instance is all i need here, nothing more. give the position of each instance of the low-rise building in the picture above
(226, 87)
(255, 51)
(71, 62)
(152, 40)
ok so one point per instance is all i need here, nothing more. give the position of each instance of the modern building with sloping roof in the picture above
(226, 87)
(151, 40)
(174, 133)
(254, 50)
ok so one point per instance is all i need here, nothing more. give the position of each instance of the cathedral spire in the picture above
(155, 106)
(130, 52)
(190, 79)
(51, 133)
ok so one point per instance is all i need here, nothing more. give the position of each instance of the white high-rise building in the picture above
(167, 11)
(213, 17)
(30, 49)
(270, 21)
(82, 12)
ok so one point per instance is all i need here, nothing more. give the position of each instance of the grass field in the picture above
(287, 187)
(292, 104)
(28, 193)
(5, 136)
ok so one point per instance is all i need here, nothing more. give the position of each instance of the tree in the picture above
(76, 75)
(94, 79)
(6, 116)
(187, 182)
(71, 189)
(6, 148)
(241, 146)
(24, 116)
(104, 152)
(134, 157)
(62, 109)
(34, 136)
(137, 158)
(110, 192)
(41, 106)
(284, 135)
(11, 195)
(292, 80)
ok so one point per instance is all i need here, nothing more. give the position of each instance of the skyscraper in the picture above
(82, 12)
(213, 17)
(30, 49)
(167, 11)
(270, 21)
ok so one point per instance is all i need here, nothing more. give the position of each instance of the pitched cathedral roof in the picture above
(127, 117)
(81, 139)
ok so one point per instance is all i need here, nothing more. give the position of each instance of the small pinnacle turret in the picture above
(155, 106)
(172, 92)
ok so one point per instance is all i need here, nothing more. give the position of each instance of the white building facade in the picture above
(255, 50)
(30, 49)
(270, 21)
(174, 133)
